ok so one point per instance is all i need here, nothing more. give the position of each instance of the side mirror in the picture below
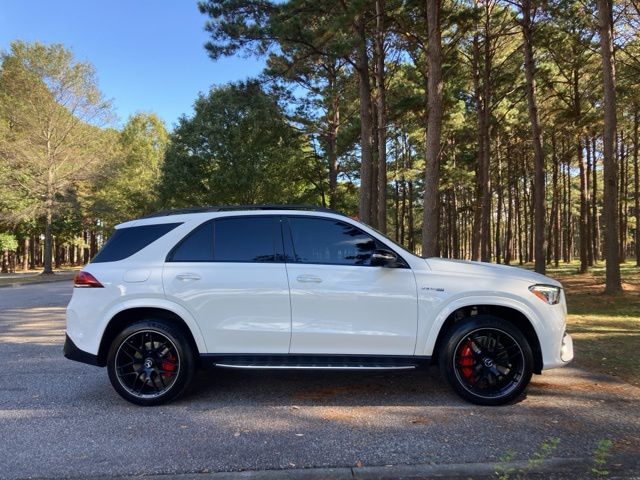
(383, 258)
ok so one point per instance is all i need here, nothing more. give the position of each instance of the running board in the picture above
(316, 367)
(314, 361)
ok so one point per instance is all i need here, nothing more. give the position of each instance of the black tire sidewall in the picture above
(187, 361)
(462, 329)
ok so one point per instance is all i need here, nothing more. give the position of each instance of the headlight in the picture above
(547, 293)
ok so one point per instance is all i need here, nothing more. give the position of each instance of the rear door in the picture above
(340, 303)
(230, 274)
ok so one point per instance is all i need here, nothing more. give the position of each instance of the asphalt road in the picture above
(60, 418)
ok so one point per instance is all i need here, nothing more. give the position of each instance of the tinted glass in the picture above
(196, 247)
(246, 239)
(126, 241)
(330, 241)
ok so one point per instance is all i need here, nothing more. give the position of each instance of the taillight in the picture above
(86, 280)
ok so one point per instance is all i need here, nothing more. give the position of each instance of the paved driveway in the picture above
(62, 418)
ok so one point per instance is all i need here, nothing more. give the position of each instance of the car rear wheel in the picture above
(150, 363)
(487, 360)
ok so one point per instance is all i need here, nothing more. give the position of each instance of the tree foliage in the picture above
(238, 148)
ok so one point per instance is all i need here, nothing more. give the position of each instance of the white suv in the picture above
(306, 288)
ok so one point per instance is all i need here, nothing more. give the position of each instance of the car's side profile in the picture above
(284, 287)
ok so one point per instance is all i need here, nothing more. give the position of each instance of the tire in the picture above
(150, 363)
(487, 360)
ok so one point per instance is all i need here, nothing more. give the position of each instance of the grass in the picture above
(605, 328)
(35, 277)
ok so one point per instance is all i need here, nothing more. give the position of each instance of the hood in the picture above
(467, 267)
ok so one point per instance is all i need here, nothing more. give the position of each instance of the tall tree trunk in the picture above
(366, 139)
(382, 116)
(48, 240)
(499, 193)
(485, 247)
(434, 127)
(555, 210)
(622, 198)
(589, 229)
(613, 281)
(539, 186)
(636, 181)
(332, 135)
(595, 221)
(373, 214)
(25, 253)
(584, 261)
(508, 252)
(481, 183)
(411, 242)
(569, 214)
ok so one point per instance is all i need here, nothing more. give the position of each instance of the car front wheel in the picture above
(487, 360)
(150, 363)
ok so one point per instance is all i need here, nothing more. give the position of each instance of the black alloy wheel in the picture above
(487, 360)
(150, 363)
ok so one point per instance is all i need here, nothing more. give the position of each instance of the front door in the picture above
(340, 303)
(229, 273)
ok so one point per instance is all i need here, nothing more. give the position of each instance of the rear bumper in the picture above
(72, 352)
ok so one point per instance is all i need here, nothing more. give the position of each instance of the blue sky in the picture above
(149, 55)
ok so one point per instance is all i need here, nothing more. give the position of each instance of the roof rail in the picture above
(232, 208)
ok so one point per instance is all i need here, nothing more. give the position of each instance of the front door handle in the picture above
(309, 279)
(185, 277)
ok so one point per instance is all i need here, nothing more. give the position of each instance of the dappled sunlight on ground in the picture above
(33, 325)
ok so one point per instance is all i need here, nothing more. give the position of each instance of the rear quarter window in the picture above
(126, 241)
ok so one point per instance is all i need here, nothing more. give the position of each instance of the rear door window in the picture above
(126, 241)
(247, 239)
(235, 239)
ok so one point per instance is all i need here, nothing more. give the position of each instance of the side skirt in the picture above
(314, 361)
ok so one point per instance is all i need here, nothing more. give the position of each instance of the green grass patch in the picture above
(10, 280)
(605, 328)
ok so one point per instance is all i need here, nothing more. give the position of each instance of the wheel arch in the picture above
(128, 316)
(506, 312)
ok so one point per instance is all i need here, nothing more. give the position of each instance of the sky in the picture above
(149, 55)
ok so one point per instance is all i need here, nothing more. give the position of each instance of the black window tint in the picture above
(246, 239)
(330, 241)
(126, 241)
(196, 247)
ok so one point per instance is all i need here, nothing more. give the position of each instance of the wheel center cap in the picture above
(148, 363)
(488, 362)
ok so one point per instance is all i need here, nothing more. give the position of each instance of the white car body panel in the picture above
(241, 307)
(344, 309)
(91, 309)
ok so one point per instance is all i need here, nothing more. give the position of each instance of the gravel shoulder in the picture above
(62, 419)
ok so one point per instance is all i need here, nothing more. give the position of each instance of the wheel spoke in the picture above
(164, 385)
(138, 350)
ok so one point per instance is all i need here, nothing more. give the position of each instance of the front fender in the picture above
(429, 331)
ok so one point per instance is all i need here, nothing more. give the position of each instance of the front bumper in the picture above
(566, 350)
(72, 352)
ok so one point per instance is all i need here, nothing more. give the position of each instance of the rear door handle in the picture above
(309, 279)
(185, 277)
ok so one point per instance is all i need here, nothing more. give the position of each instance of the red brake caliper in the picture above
(466, 361)
(169, 365)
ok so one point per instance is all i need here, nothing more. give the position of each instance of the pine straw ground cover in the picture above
(605, 328)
